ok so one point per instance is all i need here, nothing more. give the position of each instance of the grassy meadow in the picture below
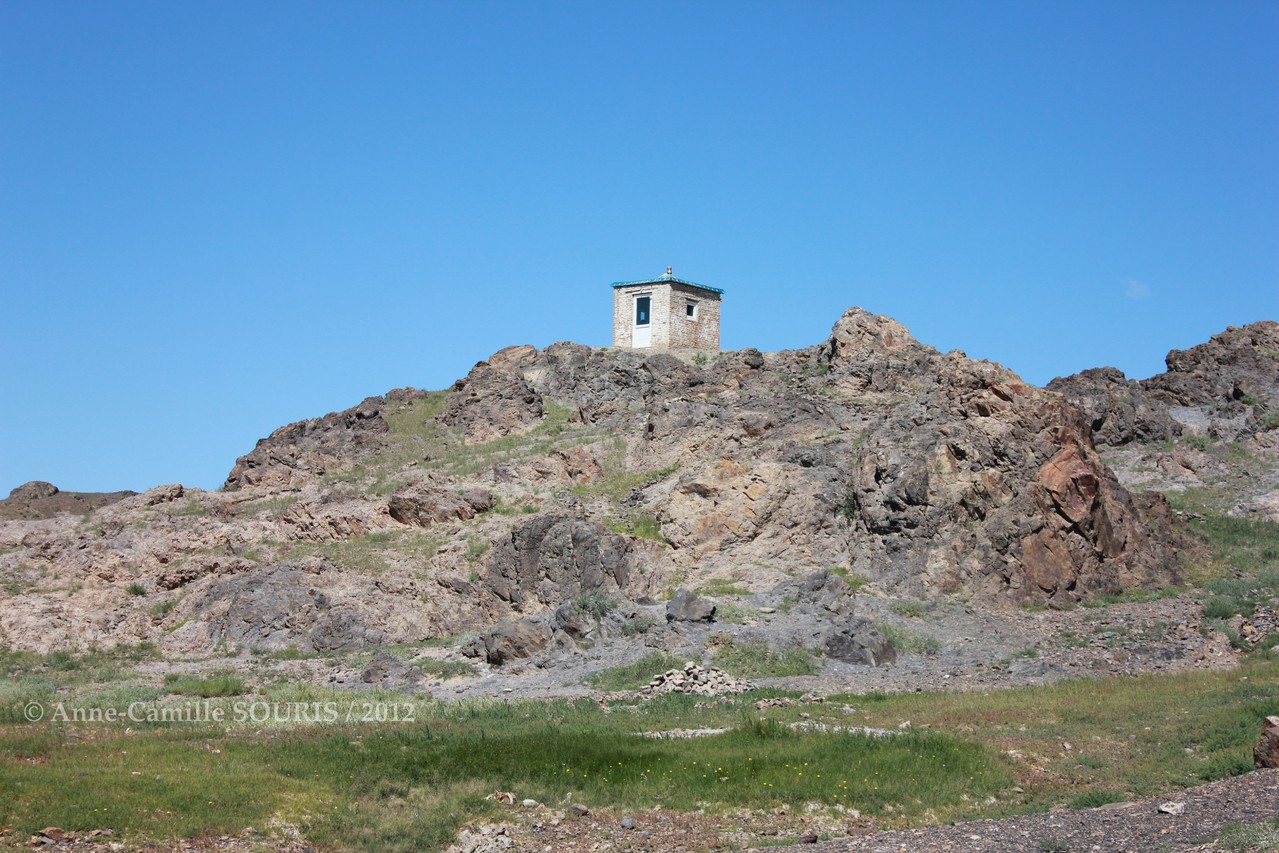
(411, 785)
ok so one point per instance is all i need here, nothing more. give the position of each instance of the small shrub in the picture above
(136, 588)
(162, 609)
(1197, 442)
(596, 605)
(913, 609)
(639, 625)
(1270, 421)
(476, 550)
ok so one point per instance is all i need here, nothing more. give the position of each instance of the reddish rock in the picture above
(1266, 753)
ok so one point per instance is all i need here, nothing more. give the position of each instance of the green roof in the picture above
(666, 279)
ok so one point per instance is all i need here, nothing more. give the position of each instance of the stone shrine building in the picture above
(665, 312)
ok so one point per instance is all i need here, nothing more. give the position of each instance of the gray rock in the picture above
(859, 642)
(552, 558)
(389, 672)
(684, 606)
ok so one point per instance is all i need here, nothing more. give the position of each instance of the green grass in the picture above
(1250, 838)
(410, 786)
(136, 588)
(911, 608)
(418, 442)
(1242, 571)
(635, 675)
(225, 684)
(756, 659)
(641, 525)
(618, 483)
(908, 641)
(731, 613)
(721, 587)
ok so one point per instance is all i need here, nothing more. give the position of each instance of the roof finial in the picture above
(668, 271)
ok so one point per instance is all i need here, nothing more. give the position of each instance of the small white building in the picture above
(665, 312)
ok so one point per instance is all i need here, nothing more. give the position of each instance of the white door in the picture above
(642, 331)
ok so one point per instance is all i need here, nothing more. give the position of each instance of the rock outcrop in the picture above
(1223, 388)
(38, 499)
(554, 557)
(299, 452)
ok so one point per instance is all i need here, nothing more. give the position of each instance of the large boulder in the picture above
(684, 606)
(858, 641)
(423, 504)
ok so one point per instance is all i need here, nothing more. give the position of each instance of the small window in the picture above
(690, 310)
(641, 310)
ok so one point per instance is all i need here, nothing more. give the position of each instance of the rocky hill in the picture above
(1210, 421)
(554, 500)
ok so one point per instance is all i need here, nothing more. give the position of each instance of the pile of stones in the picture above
(696, 680)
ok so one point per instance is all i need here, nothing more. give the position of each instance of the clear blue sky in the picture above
(217, 218)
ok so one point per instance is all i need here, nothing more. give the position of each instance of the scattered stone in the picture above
(628, 823)
(530, 804)
(808, 838)
(578, 810)
(1172, 808)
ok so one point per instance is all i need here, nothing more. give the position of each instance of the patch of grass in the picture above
(290, 652)
(1096, 797)
(476, 549)
(855, 581)
(1197, 442)
(371, 553)
(162, 609)
(641, 624)
(1249, 838)
(911, 608)
(617, 483)
(906, 640)
(756, 659)
(721, 587)
(227, 684)
(136, 588)
(641, 525)
(633, 676)
(446, 669)
(731, 613)
(410, 787)
(1270, 421)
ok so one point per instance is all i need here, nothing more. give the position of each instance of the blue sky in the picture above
(217, 218)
